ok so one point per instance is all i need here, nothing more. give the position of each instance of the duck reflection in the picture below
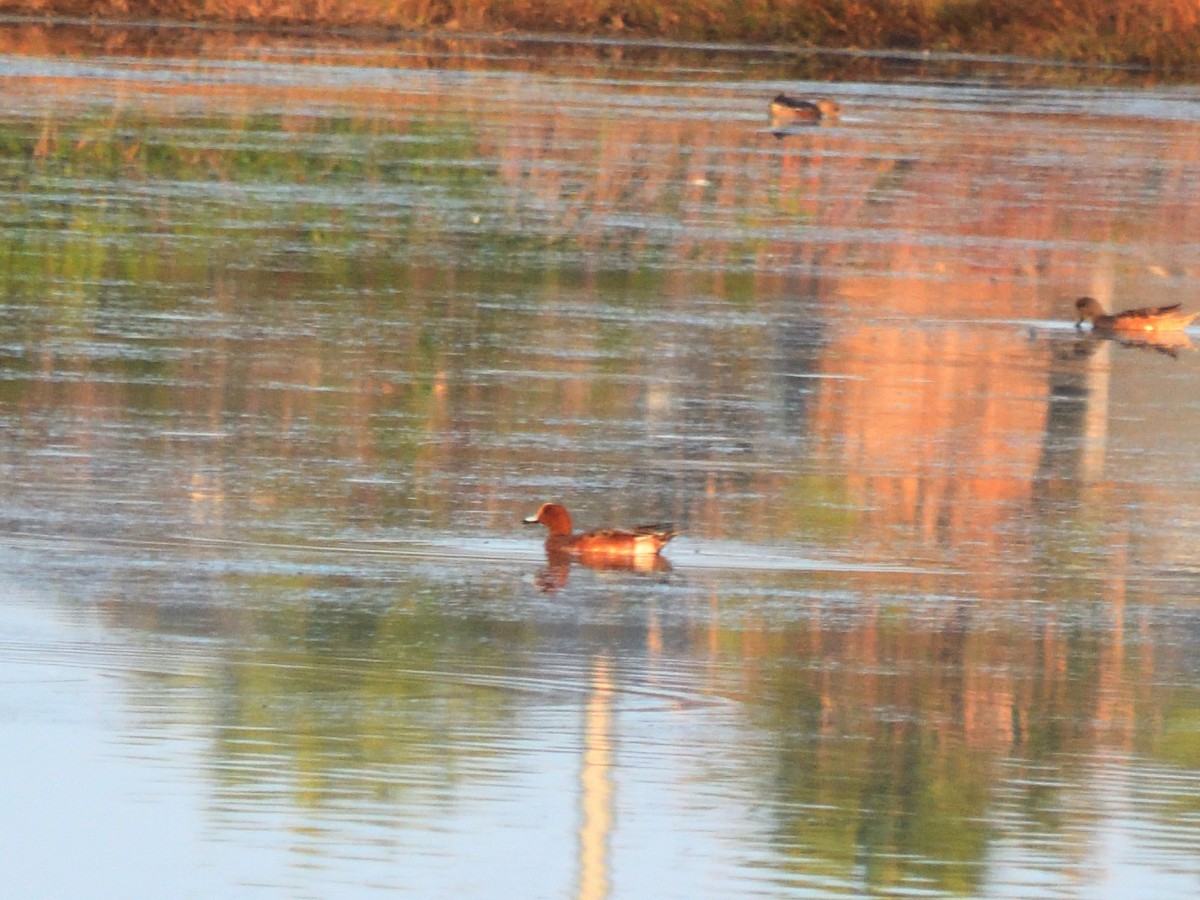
(558, 567)
(1169, 343)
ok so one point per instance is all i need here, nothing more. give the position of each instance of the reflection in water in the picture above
(931, 440)
(596, 786)
(293, 329)
(558, 567)
(1095, 435)
(1073, 450)
(1169, 343)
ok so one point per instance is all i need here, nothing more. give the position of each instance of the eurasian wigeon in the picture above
(1149, 318)
(639, 542)
(785, 109)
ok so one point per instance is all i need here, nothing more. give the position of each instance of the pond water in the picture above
(295, 331)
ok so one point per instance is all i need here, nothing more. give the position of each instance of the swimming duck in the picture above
(1149, 318)
(640, 541)
(785, 108)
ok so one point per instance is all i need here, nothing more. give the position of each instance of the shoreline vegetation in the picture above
(1162, 35)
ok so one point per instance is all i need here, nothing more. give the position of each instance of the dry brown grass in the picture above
(1162, 33)
(1148, 32)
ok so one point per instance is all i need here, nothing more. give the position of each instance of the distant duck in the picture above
(1149, 318)
(789, 109)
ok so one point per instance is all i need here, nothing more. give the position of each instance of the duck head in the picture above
(553, 516)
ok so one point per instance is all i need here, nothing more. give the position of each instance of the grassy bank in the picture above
(1157, 33)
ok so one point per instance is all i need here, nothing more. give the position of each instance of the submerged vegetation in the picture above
(1154, 33)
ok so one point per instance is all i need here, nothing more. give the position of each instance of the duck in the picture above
(1148, 318)
(641, 541)
(785, 108)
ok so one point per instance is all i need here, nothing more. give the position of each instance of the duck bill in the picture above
(530, 520)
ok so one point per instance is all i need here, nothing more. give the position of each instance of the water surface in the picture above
(296, 330)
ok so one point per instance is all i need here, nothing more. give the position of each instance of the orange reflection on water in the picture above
(596, 785)
(940, 428)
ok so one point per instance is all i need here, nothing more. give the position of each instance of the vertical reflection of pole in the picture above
(1114, 707)
(1096, 422)
(596, 787)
